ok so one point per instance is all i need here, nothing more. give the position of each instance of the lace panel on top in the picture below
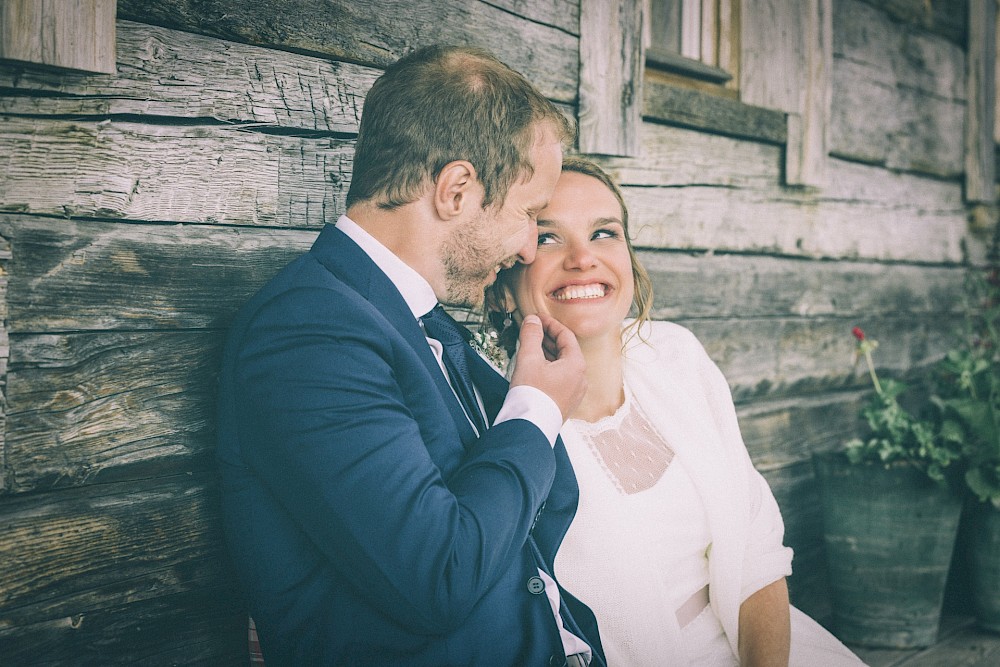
(630, 451)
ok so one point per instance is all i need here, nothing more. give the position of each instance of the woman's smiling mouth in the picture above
(590, 291)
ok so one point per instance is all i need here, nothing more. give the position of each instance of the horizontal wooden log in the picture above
(919, 76)
(865, 212)
(717, 286)
(783, 432)
(673, 156)
(923, 134)
(90, 550)
(169, 73)
(784, 357)
(86, 408)
(215, 174)
(93, 408)
(171, 173)
(371, 33)
(70, 275)
(205, 626)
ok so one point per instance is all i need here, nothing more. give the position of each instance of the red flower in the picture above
(858, 333)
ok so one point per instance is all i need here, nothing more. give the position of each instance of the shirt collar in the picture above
(416, 291)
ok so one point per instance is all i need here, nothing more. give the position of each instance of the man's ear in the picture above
(456, 189)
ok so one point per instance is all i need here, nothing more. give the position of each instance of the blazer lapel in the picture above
(346, 260)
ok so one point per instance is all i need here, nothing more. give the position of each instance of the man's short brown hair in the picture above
(444, 103)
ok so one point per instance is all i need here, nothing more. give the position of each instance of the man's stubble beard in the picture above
(464, 255)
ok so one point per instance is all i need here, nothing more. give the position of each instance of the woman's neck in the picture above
(605, 391)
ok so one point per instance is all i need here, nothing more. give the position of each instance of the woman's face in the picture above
(582, 273)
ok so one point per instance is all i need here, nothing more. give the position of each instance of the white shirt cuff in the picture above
(533, 404)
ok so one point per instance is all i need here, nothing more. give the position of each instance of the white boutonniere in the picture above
(487, 345)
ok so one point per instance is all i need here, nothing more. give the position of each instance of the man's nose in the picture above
(527, 252)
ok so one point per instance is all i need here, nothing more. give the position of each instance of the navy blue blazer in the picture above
(367, 522)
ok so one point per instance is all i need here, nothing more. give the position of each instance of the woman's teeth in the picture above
(594, 291)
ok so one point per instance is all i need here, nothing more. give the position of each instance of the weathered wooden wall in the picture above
(137, 211)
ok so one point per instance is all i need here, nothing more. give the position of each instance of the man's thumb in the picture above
(531, 334)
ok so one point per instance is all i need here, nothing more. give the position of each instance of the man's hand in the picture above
(549, 359)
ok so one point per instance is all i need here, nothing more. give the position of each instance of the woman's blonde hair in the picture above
(642, 299)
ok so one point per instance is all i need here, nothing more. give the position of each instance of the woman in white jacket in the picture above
(677, 541)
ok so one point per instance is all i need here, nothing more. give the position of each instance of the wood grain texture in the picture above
(916, 77)
(205, 626)
(760, 287)
(171, 173)
(774, 69)
(4, 359)
(778, 357)
(945, 18)
(863, 213)
(71, 34)
(91, 408)
(173, 74)
(678, 157)
(129, 556)
(694, 109)
(809, 129)
(611, 80)
(379, 32)
(980, 112)
(79, 275)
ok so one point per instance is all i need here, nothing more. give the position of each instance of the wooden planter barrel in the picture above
(984, 561)
(889, 535)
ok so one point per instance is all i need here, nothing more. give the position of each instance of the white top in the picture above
(637, 549)
(687, 403)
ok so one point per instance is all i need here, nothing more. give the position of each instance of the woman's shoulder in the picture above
(664, 338)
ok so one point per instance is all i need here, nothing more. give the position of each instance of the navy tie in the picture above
(453, 338)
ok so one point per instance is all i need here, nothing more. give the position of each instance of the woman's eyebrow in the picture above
(606, 221)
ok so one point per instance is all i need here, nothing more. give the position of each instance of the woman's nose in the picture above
(579, 255)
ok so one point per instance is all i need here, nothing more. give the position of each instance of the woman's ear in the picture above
(457, 188)
(508, 303)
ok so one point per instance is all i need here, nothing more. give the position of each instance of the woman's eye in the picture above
(546, 239)
(606, 234)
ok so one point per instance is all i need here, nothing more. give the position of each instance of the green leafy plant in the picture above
(897, 437)
(968, 387)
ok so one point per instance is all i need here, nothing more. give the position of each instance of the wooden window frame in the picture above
(709, 49)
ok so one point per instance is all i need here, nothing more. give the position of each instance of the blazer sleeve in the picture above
(328, 388)
(765, 558)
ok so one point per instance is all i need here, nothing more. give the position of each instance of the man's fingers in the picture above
(558, 338)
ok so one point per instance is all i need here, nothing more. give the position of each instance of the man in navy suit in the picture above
(387, 500)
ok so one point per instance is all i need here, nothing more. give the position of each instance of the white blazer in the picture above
(688, 400)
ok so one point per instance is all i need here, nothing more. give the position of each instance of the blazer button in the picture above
(536, 586)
